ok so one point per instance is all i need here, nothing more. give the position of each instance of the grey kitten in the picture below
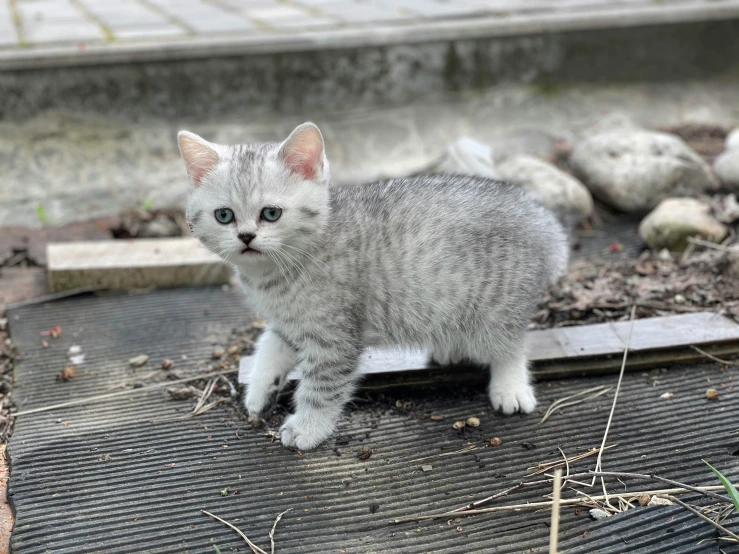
(449, 263)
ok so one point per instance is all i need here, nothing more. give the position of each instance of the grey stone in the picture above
(732, 140)
(726, 166)
(633, 170)
(557, 190)
(674, 220)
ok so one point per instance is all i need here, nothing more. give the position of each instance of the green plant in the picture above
(218, 550)
(731, 489)
(42, 216)
(148, 205)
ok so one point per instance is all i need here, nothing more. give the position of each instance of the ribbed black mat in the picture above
(103, 478)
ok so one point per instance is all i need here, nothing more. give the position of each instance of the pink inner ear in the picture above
(199, 158)
(303, 153)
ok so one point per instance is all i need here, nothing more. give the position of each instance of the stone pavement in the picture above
(81, 24)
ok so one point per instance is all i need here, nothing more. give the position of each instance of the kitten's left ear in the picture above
(200, 156)
(303, 152)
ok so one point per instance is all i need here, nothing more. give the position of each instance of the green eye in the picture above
(224, 216)
(271, 214)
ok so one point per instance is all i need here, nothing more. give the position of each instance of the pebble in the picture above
(217, 353)
(666, 395)
(138, 361)
(473, 422)
(437, 418)
(644, 499)
(167, 364)
(674, 220)
(712, 394)
(365, 453)
(597, 513)
(458, 425)
(495, 441)
(427, 467)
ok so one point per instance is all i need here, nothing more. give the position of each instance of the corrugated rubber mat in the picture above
(122, 476)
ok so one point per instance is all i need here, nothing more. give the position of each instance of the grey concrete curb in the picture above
(371, 36)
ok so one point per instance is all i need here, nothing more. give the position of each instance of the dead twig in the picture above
(548, 504)
(546, 466)
(712, 357)
(618, 474)
(125, 392)
(253, 546)
(501, 494)
(274, 527)
(700, 515)
(554, 528)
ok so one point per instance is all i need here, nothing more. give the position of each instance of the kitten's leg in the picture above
(441, 355)
(510, 387)
(328, 381)
(273, 361)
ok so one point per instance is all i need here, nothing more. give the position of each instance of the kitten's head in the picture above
(252, 204)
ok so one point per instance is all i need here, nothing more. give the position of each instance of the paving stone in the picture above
(148, 31)
(58, 31)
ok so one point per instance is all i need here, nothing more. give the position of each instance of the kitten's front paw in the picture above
(305, 432)
(511, 396)
(260, 397)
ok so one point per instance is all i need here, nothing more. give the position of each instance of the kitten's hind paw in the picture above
(305, 432)
(512, 396)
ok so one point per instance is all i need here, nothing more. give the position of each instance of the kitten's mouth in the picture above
(249, 251)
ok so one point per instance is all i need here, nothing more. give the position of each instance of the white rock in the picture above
(732, 140)
(666, 395)
(671, 223)
(598, 513)
(558, 191)
(658, 501)
(633, 170)
(726, 166)
(467, 157)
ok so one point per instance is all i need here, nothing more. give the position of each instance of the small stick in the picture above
(254, 547)
(548, 504)
(274, 526)
(700, 515)
(125, 392)
(554, 528)
(501, 494)
(615, 399)
(709, 244)
(712, 357)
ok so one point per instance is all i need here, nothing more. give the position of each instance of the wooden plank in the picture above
(585, 349)
(133, 264)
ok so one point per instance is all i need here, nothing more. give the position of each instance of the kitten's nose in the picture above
(246, 238)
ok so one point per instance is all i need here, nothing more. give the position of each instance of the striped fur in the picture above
(453, 264)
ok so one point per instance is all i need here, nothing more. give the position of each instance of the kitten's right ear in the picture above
(200, 156)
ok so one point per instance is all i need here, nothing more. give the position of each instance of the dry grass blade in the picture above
(207, 391)
(561, 403)
(253, 546)
(132, 392)
(469, 448)
(700, 515)
(554, 528)
(622, 475)
(274, 527)
(548, 504)
(712, 357)
(598, 463)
